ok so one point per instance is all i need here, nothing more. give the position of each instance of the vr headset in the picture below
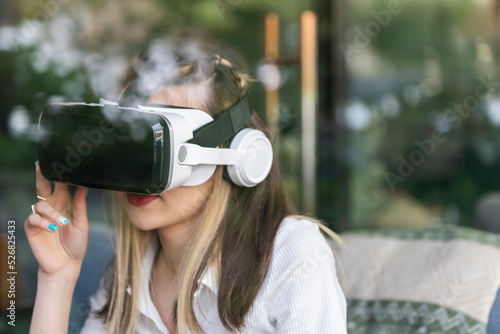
(149, 149)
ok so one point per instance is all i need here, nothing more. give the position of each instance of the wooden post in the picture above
(308, 62)
(272, 53)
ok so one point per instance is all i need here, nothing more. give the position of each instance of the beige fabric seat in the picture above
(432, 280)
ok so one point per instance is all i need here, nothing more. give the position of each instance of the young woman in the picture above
(212, 258)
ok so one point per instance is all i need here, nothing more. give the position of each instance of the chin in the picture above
(167, 209)
(142, 220)
(143, 226)
(147, 221)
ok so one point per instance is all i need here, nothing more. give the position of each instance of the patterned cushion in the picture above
(433, 280)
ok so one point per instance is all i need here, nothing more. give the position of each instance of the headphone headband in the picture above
(225, 126)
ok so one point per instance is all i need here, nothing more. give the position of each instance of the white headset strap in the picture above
(192, 155)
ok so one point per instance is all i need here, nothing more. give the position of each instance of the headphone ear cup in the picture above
(254, 158)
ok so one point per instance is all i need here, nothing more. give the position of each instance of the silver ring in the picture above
(33, 209)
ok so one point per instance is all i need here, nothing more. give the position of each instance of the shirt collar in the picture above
(209, 280)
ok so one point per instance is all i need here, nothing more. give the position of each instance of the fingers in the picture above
(43, 188)
(35, 220)
(80, 206)
(61, 187)
(50, 215)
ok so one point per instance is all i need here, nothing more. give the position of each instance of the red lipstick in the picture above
(141, 200)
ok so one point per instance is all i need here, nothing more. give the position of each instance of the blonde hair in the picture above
(130, 245)
(231, 215)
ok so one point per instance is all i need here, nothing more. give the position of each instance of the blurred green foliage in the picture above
(429, 57)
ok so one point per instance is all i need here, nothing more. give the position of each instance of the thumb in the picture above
(80, 207)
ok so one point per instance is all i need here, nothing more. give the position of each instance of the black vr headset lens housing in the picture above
(104, 146)
(148, 149)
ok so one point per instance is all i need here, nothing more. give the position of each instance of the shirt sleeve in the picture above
(306, 296)
(97, 301)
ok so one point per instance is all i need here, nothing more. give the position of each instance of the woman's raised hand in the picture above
(58, 229)
(58, 233)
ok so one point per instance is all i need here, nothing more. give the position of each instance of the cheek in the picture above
(184, 201)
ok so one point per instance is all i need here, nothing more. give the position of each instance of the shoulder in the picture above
(299, 250)
(293, 225)
(301, 293)
(299, 237)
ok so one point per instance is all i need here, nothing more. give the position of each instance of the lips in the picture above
(141, 200)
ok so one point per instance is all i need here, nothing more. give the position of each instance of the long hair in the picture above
(237, 226)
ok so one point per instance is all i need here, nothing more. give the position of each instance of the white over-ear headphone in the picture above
(254, 157)
(248, 159)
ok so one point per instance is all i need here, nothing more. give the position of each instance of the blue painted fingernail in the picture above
(63, 220)
(36, 163)
(53, 227)
(87, 192)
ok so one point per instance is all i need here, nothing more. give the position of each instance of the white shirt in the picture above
(300, 294)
